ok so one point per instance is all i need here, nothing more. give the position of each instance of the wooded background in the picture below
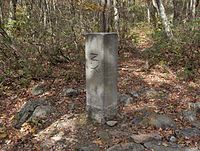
(38, 34)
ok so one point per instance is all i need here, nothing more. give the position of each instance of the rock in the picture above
(159, 146)
(147, 117)
(188, 132)
(194, 106)
(111, 123)
(196, 124)
(126, 99)
(161, 121)
(172, 139)
(52, 145)
(71, 106)
(26, 111)
(57, 137)
(38, 89)
(60, 145)
(69, 92)
(135, 94)
(41, 112)
(91, 147)
(141, 138)
(192, 149)
(151, 93)
(126, 147)
(103, 135)
(137, 120)
(142, 116)
(118, 133)
(190, 115)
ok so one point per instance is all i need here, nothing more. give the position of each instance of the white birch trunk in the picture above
(1, 12)
(194, 8)
(12, 10)
(163, 16)
(148, 15)
(116, 16)
(45, 13)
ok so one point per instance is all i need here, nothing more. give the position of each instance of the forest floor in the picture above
(145, 95)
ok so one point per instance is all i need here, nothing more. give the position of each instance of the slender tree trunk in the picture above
(187, 9)
(116, 16)
(45, 13)
(148, 12)
(104, 16)
(12, 13)
(193, 8)
(163, 16)
(1, 13)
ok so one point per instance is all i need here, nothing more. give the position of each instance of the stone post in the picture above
(101, 75)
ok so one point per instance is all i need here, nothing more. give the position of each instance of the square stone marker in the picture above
(101, 75)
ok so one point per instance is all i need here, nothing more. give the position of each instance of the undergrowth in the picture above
(182, 53)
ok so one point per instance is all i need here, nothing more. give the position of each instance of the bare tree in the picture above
(116, 15)
(161, 11)
(12, 13)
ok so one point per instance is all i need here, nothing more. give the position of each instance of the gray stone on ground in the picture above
(160, 146)
(111, 123)
(142, 116)
(60, 145)
(134, 94)
(103, 135)
(119, 134)
(70, 92)
(150, 93)
(189, 115)
(27, 111)
(125, 99)
(71, 106)
(192, 149)
(126, 147)
(41, 112)
(196, 124)
(138, 120)
(172, 139)
(162, 121)
(188, 132)
(90, 147)
(147, 117)
(194, 106)
(38, 89)
(141, 138)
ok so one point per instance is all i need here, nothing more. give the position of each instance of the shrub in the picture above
(182, 52)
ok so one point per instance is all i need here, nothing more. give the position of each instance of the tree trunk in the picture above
(45, 13)
(193, 8)
(1, 13)
(148, 12)
(12, 13)
(163, 16)
(116, 16)
(104, 27)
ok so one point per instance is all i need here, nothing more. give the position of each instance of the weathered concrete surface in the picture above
(101, 75)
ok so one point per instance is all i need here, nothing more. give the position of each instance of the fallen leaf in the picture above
(3, 133)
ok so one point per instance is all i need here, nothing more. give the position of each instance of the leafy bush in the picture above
(182, 52)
